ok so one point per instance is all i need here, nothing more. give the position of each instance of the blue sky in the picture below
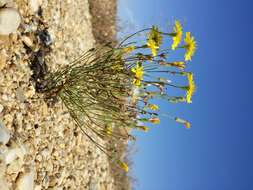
(217, 152)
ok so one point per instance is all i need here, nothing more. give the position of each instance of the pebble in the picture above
(3, 59)
(14, 153)
(28, 41)
(4, 184)
(9, 20)
(6, 3)
(4, 134)
(20, 94)
(10, 155)
(25, 181)
(34, 5)
(1, 108)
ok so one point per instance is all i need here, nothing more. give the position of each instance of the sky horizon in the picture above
(216, 152)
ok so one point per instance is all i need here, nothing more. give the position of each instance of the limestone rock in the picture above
(4, 134)
(34, 5)
(9, 20)
(25, 181)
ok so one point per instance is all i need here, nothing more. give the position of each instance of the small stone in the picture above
(14, 153)
(4, 184)
(45, 153)
(4, 40)
(1, 108)
(38, 187)
(27, 41)
(25, 181)
(30, 92)
(11, 155)
(6, 3)
(45, 37)
(15, 166)
(34, 5)
(20, 94)
(9, 20)
(4, 134)
(3, 58)
(39, 158)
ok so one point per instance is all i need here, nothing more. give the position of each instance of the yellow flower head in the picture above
(123, 165)
(190, 46)
(153, 107)
(154, 40)
(128, 49)
(154, 120)
(191, 88)
(143, 128)
(177, 35)
(184, 122)
(178, 64)
(138, 71)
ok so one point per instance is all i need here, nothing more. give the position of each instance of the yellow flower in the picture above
(178, 64)
(154, 40)
(184, 122)
(190, 46)
(138, 71)
(177, 35)
(153, 107)
(154, 120)
(143, 128)
(128, 49)
(137, 82)
(123, 165)
(191, 88)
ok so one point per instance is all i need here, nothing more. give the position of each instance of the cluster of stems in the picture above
(108, 90)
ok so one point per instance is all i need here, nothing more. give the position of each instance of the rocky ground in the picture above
(40, 147)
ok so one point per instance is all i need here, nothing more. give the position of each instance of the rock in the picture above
(1, 106)
(25, 181)
(4, 134)
(6, 3)
(10, 155)
(45, 37)
(15, 166)
(9, 20)
(4, 40)
(27, 41)
(20, 94)
(4, 184)
(14, 153)
(2, 170)
(34, 5)
(3, 59)
(37, 187)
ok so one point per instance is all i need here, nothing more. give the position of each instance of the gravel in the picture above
(44, 139)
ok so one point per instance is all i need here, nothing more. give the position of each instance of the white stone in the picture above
(9, 20)
(14, 153)
(4, 184)
(34, 5)
(10, 155)
(25, 181)
(4, 2)
(38, 187)
(27, 41)
(15, 166)
(4, 134)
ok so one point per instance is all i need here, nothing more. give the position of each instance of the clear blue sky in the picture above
(217, 153)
